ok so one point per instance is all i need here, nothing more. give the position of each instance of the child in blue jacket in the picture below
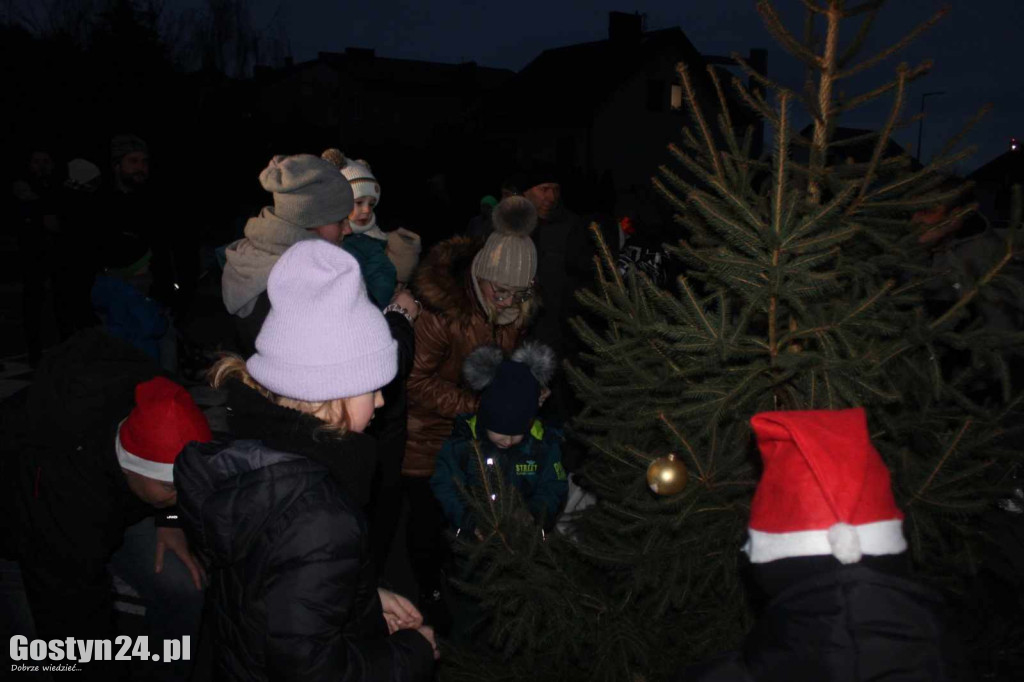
(367, 242)
(510, 437)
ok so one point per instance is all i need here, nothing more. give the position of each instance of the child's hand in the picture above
(545, 393)
(405, 299)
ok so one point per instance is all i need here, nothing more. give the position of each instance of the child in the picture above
(367, 243)
(509, 436)
(278, 511)
(826, 552)
(94, 488)
(119, 302)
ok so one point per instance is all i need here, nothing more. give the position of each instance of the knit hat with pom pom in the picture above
(364, 184)
(509, 257)
(510, 387)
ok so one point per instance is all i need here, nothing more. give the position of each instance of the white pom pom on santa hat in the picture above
(845, 543)
(825, 490)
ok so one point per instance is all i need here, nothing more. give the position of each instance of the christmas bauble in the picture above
(666, 475)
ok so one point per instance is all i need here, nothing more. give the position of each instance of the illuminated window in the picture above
(677, 97)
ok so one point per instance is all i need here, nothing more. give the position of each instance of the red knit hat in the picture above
(825, 490)
(164, 420)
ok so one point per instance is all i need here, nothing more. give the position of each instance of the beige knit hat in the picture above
(403, 249)
(509, 257)
(308, 191)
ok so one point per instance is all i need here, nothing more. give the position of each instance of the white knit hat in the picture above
(323, 339)
(363, 182)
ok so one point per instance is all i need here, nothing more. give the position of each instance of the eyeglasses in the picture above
(502, 295)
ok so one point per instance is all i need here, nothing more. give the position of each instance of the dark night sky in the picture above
(976, 48)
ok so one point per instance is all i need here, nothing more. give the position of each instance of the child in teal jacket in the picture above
(367, 243)
(511, 439)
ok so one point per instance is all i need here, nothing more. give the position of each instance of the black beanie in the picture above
(532, 176)
(509, 404)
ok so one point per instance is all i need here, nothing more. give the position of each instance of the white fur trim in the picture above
(138, 465)
(873, 539)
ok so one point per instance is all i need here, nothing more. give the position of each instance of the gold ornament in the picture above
(666, 475)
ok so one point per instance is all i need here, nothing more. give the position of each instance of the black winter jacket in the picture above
(292, 584)
(67, 498)
(847, 624)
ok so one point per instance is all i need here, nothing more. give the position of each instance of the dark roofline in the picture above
(369, 54)
(672, 31)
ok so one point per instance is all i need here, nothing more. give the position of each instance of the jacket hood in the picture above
(444, 282)
(250, 260)
(351, 460)
(222, 492)
(228, 489)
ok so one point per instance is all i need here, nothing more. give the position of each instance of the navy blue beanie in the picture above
(509, 404)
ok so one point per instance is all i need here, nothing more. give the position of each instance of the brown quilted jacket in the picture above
(451, 326)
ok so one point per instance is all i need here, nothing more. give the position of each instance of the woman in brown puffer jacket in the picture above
(472, 296)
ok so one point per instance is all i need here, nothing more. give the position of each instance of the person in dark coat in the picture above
(564, 256)
(35, 197)
(92, 486)
(390, 429)
(78, 257)
(134, 205)
(826, 550)
(480, 225)
(277, 510)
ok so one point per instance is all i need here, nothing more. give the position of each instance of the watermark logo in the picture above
(68, 653)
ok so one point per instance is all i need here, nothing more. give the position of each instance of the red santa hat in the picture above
(824, 491)
(164, 420)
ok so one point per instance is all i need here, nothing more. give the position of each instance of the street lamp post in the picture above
(920, 123)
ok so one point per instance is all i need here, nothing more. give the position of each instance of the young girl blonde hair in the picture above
(331, 412)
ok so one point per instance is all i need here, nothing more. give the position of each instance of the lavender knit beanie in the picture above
(323, 339)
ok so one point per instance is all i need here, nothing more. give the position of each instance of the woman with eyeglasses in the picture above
(471, 296)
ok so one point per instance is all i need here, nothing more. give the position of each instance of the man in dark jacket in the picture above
(86, 496)
(564, 256)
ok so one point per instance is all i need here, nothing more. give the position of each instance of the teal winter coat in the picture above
(378, 271)
(533, 467)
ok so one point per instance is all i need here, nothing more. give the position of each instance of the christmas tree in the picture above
(806, 286)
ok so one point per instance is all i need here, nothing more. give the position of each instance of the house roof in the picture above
(1006, 168)
(415, 74)
(859, 145)
(578, 79)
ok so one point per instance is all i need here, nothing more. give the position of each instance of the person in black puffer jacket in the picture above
(276, 511)
(76, 504)
(827, 552)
